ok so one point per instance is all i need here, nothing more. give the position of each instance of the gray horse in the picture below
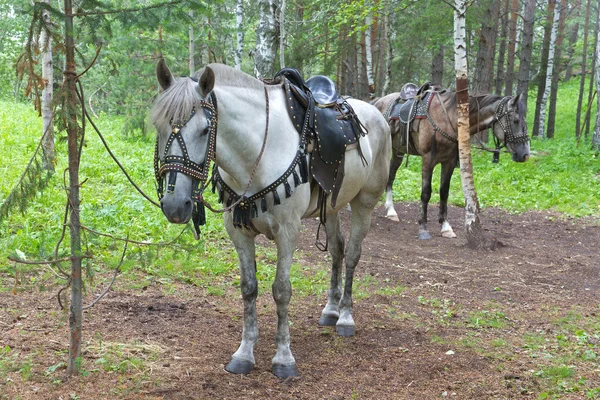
(244, 126)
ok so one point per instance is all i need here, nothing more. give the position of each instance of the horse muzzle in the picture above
(177, 211)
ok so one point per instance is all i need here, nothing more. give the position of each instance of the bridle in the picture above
(502, 116)
(183, 164)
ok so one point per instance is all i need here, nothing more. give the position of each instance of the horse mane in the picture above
(229, 76)
(479, 101)
(175, 104)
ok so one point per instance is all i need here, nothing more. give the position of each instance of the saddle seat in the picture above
(323, 90)
(324, 119)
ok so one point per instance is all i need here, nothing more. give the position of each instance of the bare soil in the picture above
(418, 335)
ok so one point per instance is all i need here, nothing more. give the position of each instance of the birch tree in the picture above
(369, 55)
(551, 49)
(476, 237)
(282, 34)
(239, 28)
(267, 39)
(47, 93)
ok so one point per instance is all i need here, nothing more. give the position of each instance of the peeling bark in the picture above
(267, 39)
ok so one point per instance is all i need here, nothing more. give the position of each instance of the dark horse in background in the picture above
(432, 134)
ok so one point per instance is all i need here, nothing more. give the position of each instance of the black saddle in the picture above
(325, 119)
(406, 110)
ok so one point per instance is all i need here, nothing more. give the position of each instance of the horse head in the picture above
(510, 127)
(186, 134)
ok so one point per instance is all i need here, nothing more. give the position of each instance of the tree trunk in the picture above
(526, 50)
(75, 308)
(586, 26)
(596, 137)
(191, 45)
(543, 67)
(267, 39)
(49, 155)
(239, 29)
(502, 50)
(591, 90)
(512, 43)
(474, 233)
(572, 41)
(549, 72)
(483, 80)
(557, 70)
(282, 35)
(369, 58)
(390, 35)
(437, 67)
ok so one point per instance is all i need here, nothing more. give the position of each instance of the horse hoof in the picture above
(449, 234)
(285, 371)
(345, 330)
(328, 320)
(424, 235)
(241, 367)
(393, 218)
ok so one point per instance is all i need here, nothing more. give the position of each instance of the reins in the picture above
(252, 175)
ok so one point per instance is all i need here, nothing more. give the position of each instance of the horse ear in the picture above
(163, 74)
(517, 99)
(207, 82)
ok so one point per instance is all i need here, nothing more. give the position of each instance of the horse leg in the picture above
(242, 361)
(335, 243)
(360, 224)
(284, 364)
(426, 173)
(446, 177)
(389, 203)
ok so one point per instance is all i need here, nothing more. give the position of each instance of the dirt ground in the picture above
(416, 336)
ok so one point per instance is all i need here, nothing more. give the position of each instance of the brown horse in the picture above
(434, 138)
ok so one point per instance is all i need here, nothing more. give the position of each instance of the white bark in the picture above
(596, 136)
(191, 46)
(549, 71)
(369, 56)
(282, 34)
(239, 27)
(267, 40)
(47, 95)
(476, 238)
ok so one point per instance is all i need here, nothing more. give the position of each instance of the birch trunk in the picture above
(267, 39)
(282, 35)
(369, 57)
(239, 27)
(502, 49)
(596, 137)
(476, 238)
(191, 46)
(512, 45)
(551, 48)
(47, 94)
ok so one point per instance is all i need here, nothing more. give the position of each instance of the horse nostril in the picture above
(526, 157)
(187, 205)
